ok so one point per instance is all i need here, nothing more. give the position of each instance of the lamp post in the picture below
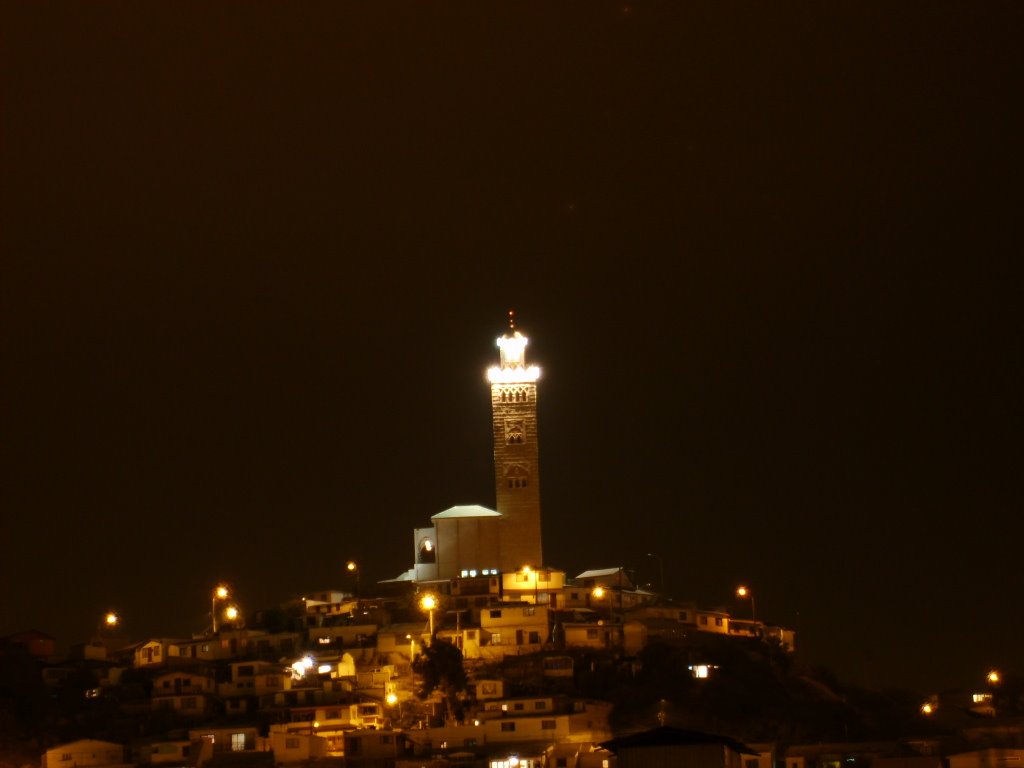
(528, 571)
(353, 568)
(661, 572)
(743, 592)
(220, 592)
(428, 603)
(231, 613)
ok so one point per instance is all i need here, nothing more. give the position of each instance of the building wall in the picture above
(693, 756)
(466, 542)
(87, 753)
(517, 473)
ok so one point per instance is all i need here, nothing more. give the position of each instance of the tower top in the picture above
(513, 366)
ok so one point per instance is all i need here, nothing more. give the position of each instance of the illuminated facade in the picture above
(516, 467)
(470, 540)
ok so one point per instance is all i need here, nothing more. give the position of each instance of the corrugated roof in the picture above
(600, 572)
(467, 510)
(666, 736)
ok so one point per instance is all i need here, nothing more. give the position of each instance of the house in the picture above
(211, 744)
(596, 633)
(86, 753)
(512, 628)
(667, 746)
(255, 678)
(992, 757)
(186, 693)
(296, 747)
(376, 747)
(713, 621)
(166, 754)
(519, 731)
(534, 585)
(152, 653)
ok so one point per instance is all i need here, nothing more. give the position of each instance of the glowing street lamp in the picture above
(927, 709)
(428, 603)
(220, 592)
(743, 592)
(111, 620)
(528, 572)
(353, 568)
(231, 613)
(993, 677)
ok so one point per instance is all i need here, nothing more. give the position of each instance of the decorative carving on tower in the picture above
(516, 468)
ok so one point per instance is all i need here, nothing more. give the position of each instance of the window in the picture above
(495, 614)
(683, 616)
(291, 743)
(540, 705)
(703, 621)
(469, 743)
(385, 739)
(529, 611)
(591, 634)
(354, 745)
(535, 637)
(718, 622)
(496, 638)
(518, 706)
(65, 757)
(507, 727)
(237, 742)
(547, 725)
(561, 762)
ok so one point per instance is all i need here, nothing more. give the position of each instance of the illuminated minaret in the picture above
(516, 470)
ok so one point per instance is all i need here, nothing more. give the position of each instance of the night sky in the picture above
(255, 258)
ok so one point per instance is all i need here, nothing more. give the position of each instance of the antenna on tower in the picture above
(511, 319)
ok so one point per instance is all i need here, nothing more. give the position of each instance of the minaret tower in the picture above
(516, 470)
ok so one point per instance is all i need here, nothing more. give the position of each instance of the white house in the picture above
(86, 753)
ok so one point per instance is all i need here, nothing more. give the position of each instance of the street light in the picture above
(743, 592)
(428, 603)
(220, 592)
(353, 567)
(111, 620)
(528, 571)
(661, 572)
(993, 677)
(231, 613)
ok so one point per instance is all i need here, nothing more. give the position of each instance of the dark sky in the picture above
(255, 258)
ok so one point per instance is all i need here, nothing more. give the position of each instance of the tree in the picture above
(440, 668)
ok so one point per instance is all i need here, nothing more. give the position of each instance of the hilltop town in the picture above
(481, 653)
